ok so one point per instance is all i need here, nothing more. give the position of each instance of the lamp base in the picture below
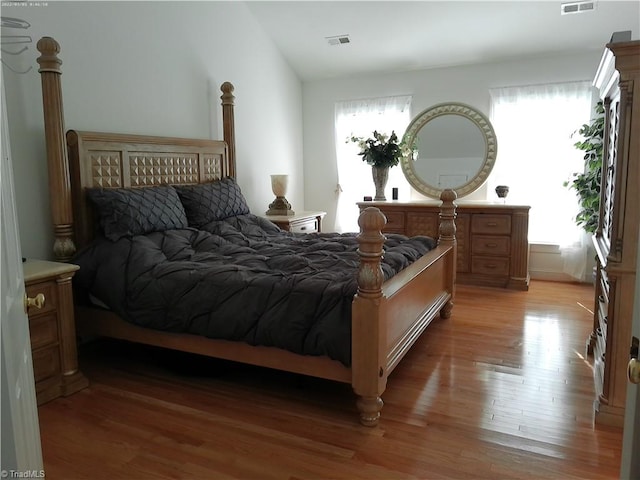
(280, 206)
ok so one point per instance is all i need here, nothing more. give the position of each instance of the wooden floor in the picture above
(501, 390)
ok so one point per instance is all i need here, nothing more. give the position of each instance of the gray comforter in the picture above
(239, 279)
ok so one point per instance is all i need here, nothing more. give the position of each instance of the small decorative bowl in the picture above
(502, 191)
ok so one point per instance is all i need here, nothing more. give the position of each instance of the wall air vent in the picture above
(577, 7)
(338, 40)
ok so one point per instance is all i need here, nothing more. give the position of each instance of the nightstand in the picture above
(302, 222)
(52, 328)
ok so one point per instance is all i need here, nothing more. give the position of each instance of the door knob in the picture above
(633, 370)
(37, 301)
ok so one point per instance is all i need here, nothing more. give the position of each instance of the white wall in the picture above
(154, 68)
(466, 84)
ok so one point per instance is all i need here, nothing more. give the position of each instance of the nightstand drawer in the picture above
(301, 222)
(46, 363)
(487, 245)
(490, 265)
(491, 224)
(44, 330)
(48, 289)
(309, 226)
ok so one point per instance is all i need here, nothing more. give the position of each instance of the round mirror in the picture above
(452, 145)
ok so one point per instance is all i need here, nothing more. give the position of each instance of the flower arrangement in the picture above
(381, 151)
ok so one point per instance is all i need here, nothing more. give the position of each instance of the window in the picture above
(534, 126)
(360, 118)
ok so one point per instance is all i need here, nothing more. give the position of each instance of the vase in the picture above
(502, 191)
(380, 177)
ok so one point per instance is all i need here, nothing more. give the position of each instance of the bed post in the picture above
(228, 125)
(368, 356)
(57, 161)
(447, 236)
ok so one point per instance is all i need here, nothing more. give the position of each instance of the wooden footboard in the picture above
(388, 318)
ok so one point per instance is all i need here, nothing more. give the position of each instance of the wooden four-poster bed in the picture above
(387, 315)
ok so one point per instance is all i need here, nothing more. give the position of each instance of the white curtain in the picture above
(535, 127)
(360, 118)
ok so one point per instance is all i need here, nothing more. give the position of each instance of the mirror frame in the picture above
(450, 108)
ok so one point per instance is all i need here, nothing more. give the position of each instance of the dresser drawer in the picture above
(488, 245)
(602, 316)
(598, 374)
(601, 340)
(490, 265)
(395, 222)
(604, 285)
(462, 237)
(308, 226)
(491, 224)
(425, 224)
(43, 329)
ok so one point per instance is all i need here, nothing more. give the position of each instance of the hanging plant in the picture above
(587, 183)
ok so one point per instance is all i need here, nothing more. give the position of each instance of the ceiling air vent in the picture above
(577, 7)
(338, 40)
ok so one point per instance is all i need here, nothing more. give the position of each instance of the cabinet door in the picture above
(606, 228)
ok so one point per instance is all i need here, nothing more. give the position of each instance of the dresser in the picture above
(301, 222)
(493, 248)
(52, 329)
(616, 239)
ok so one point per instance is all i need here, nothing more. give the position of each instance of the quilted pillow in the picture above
(136, 211)
(212, 201)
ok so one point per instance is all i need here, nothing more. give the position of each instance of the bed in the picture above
(387, 314)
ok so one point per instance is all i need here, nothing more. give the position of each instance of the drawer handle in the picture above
(492, 224)
(37, 301)
(491, 265)
(601, 298)
(491, 245)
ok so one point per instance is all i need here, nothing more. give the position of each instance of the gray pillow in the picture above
(136, 211)
(207, 202)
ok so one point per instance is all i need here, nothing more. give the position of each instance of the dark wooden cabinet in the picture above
(616, 239)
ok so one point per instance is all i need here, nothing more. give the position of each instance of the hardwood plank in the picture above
(502, 389)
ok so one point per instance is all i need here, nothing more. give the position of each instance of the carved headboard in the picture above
(108, 160)
(116, 160)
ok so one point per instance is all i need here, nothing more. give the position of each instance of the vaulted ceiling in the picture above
(387, 36)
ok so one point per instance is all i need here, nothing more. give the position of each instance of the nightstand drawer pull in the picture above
(37, 302)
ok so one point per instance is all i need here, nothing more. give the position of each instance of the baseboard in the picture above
(551, 276)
